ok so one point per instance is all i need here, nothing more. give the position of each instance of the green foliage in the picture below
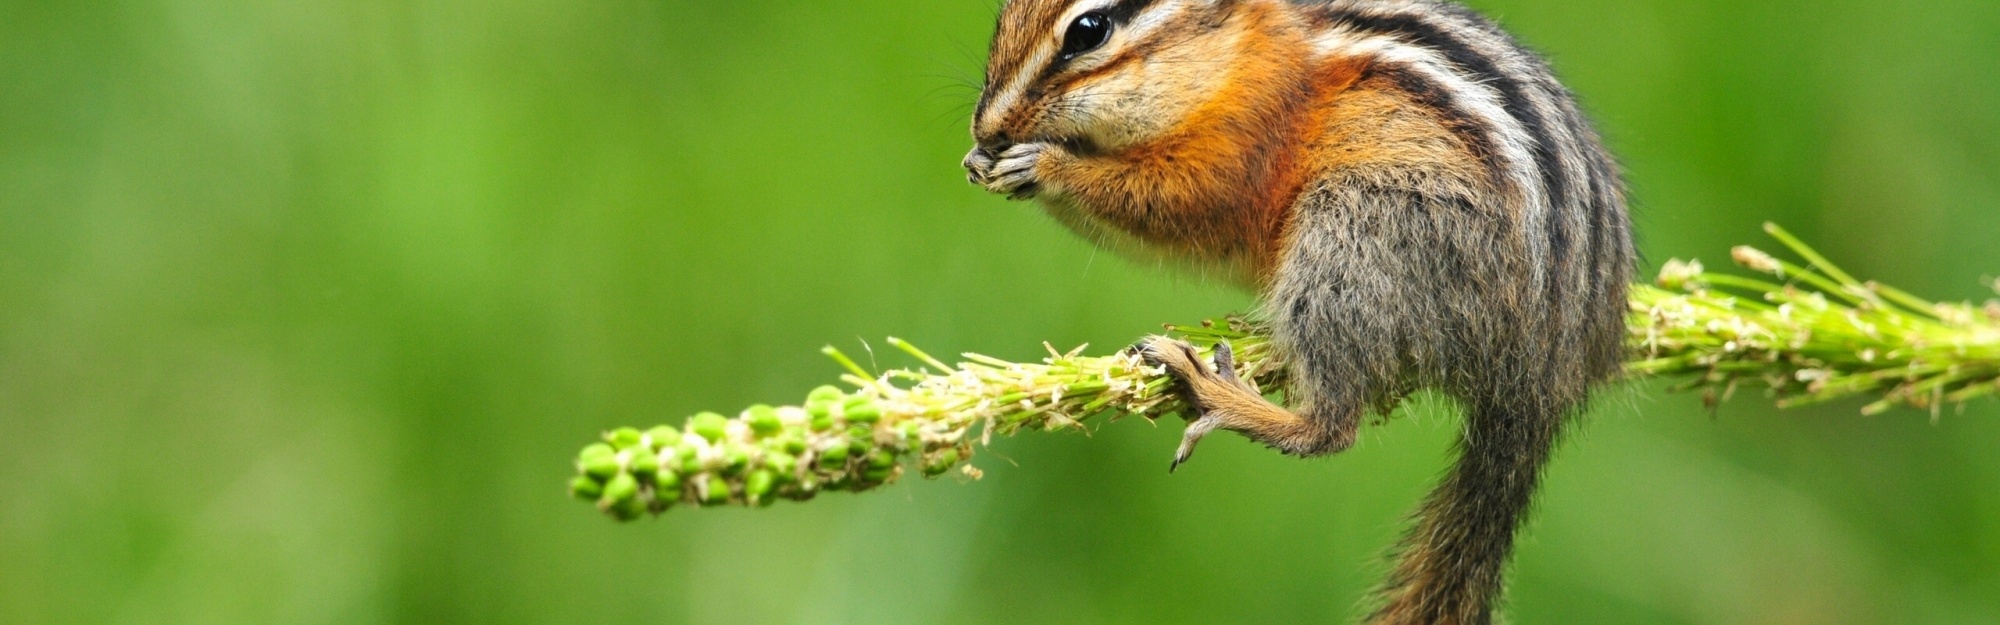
(306, 305)
(1817, 335)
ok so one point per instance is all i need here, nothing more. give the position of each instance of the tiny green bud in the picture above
(764, 420)
(877, 475)
(861, 409)
(688, 457)
(718, 490)
(709, 425)
(667, 485)
(834, 457)
(784, 464)
(823, 396)
(734, 460)
(643, 464)
(620, 488)
(625, 509)
(793, 444)
(598, 460)
(940, 462)
(881, 458)
(758, 484)
(583, 487)
(664, 436)
(860, 438)
(819, 404)
(623, 437)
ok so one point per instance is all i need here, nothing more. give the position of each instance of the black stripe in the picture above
(1475, 132)
(1414, 30)
(1121, 15)
(1602, 201)
(1123, 11)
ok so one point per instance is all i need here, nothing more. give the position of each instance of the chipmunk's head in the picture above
(1098, 76)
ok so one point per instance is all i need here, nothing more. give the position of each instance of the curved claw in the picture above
(1013, 171)
(1195, 431)
(1182, 362)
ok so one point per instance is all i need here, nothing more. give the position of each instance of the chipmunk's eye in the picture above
(1089, 31)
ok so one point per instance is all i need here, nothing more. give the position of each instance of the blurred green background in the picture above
(305, 306)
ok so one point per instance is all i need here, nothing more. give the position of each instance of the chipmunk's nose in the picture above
(994, 143)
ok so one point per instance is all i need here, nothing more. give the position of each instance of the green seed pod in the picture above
(833, 458)
(734, 460)
(643, 464)
(620, 488)
(623, 437)
(583, 487)
(819, 405)
(599, 461)
(784, 464)
(881, 458)
(764, 420)
(688, 457)
(792, 444)
(625, 510)
(758, 484)
(667, 485)
(824, 397)
(709, 425)
(663, 436)
(861, 409)
(860, 438)
(718, 490)
(912, 433)
(937, 464)
(876, 475)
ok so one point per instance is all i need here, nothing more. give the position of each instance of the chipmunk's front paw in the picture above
(1010, 171)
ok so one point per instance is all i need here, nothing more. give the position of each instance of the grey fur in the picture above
(1398, 278)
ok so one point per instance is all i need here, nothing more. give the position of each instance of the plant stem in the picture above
(1815, 335)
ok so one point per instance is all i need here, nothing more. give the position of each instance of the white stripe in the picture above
(1508, 136)
(1009, 95)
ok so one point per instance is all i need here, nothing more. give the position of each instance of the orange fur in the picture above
(1218, 184)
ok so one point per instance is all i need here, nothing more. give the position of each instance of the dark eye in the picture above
(1089, 31)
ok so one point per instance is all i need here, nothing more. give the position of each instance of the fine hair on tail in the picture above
(1449, 568)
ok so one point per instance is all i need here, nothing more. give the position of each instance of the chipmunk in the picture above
(1415, 198)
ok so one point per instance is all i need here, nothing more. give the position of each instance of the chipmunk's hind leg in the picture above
(1225, 402)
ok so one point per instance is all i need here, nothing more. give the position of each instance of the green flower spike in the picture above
(1815, 334)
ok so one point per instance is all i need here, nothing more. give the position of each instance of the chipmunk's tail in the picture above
(1451, 564)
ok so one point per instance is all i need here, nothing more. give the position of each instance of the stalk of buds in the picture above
(1815, 336)
(924, 418)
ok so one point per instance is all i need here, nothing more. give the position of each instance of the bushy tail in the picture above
(1451, 563)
